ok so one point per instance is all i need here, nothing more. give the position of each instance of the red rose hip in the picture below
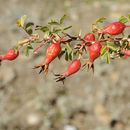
(73, 68)
(52, 52)
(94, 53)
(126, 52)
(10, 55)
(114, 28)
(88, 37)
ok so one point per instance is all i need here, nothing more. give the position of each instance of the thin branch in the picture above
(48, 41)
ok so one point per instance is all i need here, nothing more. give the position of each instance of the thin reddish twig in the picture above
(40, 46)
(44, 43)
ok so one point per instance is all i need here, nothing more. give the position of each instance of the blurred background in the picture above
(30, 102)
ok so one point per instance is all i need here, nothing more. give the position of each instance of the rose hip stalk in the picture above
(88, 37)
(52, 52)
(73, 68)
(10, 55)
(114, 28)
(94, 53)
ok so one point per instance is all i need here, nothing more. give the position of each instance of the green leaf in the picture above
(37, 41)
(62, 18)
(29, 24)
(61, 53)
(26, 48)
(129, 36)
(68, 46)
(55, 30)
(103, 48)
(100, 20)
(28, 28)
(35, 34)
(103, 52)
(66, 28)
(29, 31)
(71, 55)
(76, 51)
(29, 46)
(16, 47)
(108, 58)
(42, 28)
(123, 19)
(112, 48)
(53, 22)
(23, 19)
(66, 56)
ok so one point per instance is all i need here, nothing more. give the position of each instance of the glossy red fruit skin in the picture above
(94, 51)
(73, 67)
(52, 52)
(126, 52)
(10, 55)
(89, 37)
(114, 28)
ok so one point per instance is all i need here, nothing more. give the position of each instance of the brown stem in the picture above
(72, 37)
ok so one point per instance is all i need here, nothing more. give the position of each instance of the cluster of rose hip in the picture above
(88, 44)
